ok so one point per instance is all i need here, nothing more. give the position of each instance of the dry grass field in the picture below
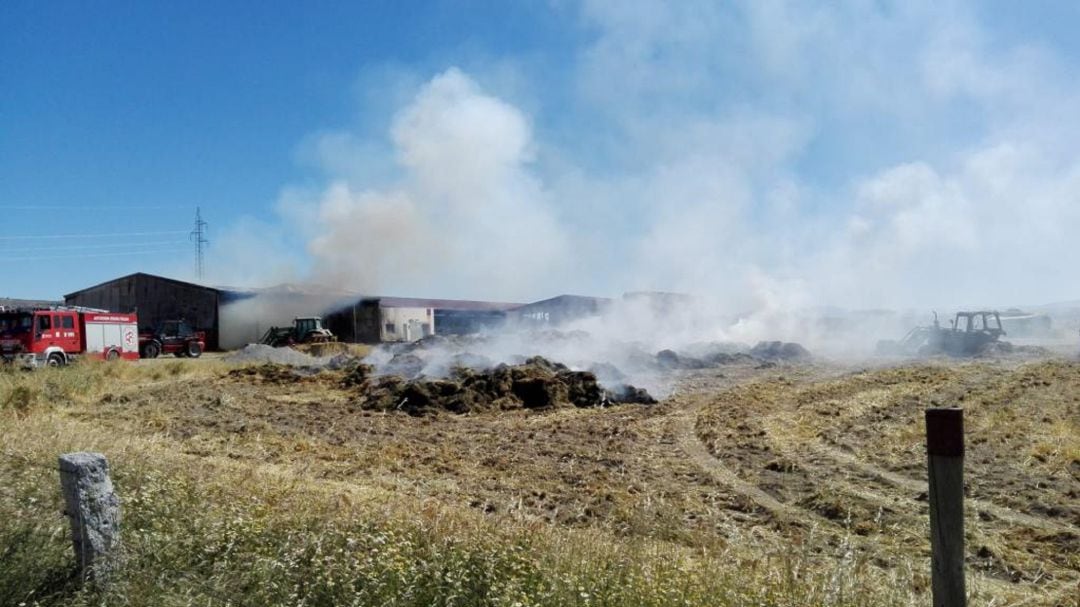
(789, 485)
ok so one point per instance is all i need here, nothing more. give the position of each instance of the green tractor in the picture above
(306, 330)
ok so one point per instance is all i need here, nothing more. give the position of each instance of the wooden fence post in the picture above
(945, 464)
(94, 511)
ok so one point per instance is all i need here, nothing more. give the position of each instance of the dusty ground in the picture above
(824, 459)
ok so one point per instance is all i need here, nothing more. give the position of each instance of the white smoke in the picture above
(468, 218)
(958, 172)
(780, 160)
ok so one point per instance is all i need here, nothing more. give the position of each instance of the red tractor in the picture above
(174, 337)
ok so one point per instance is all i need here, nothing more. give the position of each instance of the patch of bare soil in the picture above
(617, 468)
(851, 450)
(790, 456)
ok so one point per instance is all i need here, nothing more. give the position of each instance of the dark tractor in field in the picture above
(971, 334)
(174, 337)
(304, 330)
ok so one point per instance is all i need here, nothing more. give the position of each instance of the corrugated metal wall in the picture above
(467, 322)
(357, 324)
(115, 296)
(156, 300)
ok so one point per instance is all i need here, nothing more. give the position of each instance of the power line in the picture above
(114, 234)
(108, 207)
(84, 255)
(80, 247)
(198, 236)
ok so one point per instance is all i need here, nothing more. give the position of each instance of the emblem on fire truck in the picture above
(129, 337)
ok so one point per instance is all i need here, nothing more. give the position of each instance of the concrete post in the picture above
(94, 510)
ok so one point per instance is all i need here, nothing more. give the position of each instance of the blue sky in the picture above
(871, 153)
(131, 114)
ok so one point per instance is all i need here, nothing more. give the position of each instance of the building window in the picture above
(390, 327)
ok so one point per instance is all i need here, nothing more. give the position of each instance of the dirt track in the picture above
(849, 452)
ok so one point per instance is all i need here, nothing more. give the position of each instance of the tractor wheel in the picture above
(56, 359)
(150, 351)
(194, 350)
(112, 355)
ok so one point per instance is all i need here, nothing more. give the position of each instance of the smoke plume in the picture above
(466, 209)
(781, 161)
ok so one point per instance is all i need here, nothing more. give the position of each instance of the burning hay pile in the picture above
(464, 374)
(536, 384)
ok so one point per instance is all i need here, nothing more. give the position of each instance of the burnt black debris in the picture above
(704, 356)
(669, 359)
(537, 383)
(779, 350)
(405, 364)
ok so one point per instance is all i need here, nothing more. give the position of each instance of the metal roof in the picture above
(144, 275)
(442, 304)
(569, 300)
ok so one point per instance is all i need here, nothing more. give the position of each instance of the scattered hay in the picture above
(262, 353)
(334, 348)
(270, 373)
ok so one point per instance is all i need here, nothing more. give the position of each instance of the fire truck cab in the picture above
(56, 336)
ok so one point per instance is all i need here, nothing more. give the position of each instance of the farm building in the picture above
(559, 310)
(155, 299)
(389, 319)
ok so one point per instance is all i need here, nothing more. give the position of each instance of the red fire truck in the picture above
(56, 336)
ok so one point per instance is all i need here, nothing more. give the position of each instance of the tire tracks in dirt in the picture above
(818, 459)
(1004, 513)
(682, 427)
(682, 424)
(686, 405)
(986, 380)
(865, 469)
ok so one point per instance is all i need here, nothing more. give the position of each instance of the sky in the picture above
(775, 155)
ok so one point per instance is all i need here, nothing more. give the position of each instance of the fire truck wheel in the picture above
(112, 355)
(194, 350)
(55, 360)
(150, 351)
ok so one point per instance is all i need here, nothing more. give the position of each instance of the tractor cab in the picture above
(176, 337)
(308, 325)
(971, 333)
(988, 323)
(304, 330)
(175, 330)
